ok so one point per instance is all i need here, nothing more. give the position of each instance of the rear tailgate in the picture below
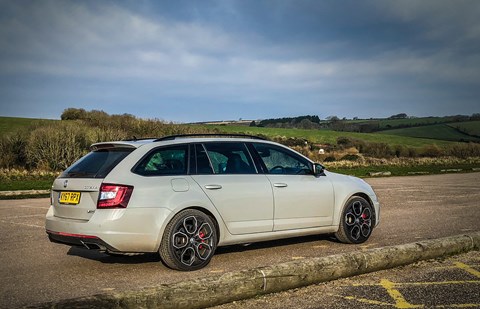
(75, 192)
(83, 195)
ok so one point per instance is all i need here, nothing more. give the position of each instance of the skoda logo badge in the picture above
(65, 183)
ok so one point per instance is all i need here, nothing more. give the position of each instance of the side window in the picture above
(164, 161)
(230, 158)
(282, 161)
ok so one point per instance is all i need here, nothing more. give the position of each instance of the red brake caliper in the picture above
(201, 235)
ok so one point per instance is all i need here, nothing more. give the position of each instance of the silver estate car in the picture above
(184, 195)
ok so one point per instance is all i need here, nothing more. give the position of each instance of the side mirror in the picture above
(318, 170)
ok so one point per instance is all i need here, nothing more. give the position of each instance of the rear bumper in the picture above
(114, 230)
(88, 241)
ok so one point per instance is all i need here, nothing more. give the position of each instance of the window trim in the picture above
(194, 146)
(254, 165)
(280, 149)
(187, 158)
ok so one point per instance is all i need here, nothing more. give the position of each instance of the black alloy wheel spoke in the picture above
(358, 220)
(193, 240)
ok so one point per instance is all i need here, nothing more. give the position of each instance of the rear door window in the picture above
(230, 158)
(164, 161)
(97, 164)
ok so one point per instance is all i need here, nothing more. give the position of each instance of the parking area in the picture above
(450, 283)
(33, 270)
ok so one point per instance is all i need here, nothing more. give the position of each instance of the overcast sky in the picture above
(216, 60)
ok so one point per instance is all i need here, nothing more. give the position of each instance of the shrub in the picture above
(345, 142)
(350, 157)
(12, 150)
(432, 151)
(96, 135)
(463, 150)
(401, 151)
(73, 114)
(377, 150)
(412, 152)
(329, 159)
(57, 146)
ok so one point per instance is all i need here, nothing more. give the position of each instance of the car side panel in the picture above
(245, 202)
(302, 201)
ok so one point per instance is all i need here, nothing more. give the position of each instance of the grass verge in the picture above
(21, 197)
(26, 184)
(363, 171)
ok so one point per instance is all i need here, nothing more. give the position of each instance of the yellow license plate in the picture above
(69, 198)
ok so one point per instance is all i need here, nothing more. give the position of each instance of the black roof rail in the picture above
(134, 139)
(172, 137)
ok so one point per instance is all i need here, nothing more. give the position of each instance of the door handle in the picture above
(213, 187)
(280, 185)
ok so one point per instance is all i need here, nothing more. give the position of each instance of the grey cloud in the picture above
(102, 43)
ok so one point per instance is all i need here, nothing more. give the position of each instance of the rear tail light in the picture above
(114, 196)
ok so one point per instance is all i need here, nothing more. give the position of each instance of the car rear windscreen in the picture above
(96, 164)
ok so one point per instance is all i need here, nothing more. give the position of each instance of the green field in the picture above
(436, 132)
(14, 124)
(330, 137)
(385, 124)
(468, 127)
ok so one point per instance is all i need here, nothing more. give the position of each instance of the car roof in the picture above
(174, 139)
(188, 138)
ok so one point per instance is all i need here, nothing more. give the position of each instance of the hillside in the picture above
(468, 127)
(13, 124)
(386, 124)
(329, 136)
(437, 132)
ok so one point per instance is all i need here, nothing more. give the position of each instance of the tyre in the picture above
(189, 241)
(357, 221)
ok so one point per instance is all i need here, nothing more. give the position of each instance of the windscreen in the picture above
(96, 164)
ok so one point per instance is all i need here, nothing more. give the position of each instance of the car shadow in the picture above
(155, 257)
(274, 243)
(113, 259)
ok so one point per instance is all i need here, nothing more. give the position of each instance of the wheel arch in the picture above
(215, 218)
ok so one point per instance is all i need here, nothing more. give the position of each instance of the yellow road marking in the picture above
(418, 283)
(468, 269)
(400, 301)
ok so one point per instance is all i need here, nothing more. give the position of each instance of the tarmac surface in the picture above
(33, 270)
